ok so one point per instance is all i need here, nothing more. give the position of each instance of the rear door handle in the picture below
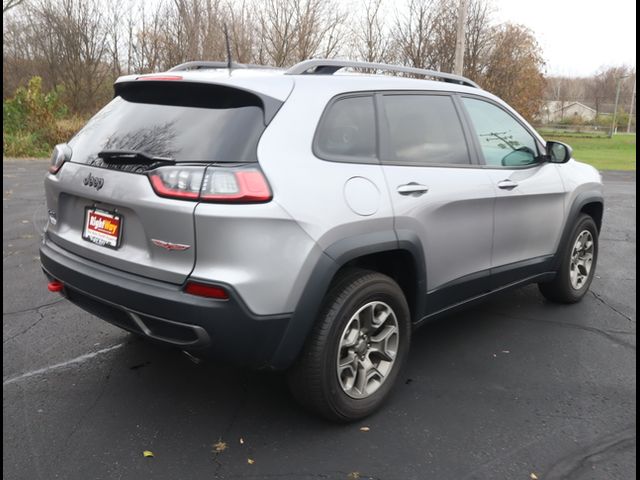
(414, 189)
(507, 184)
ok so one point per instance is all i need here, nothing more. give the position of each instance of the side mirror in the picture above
(558, 152)
(521, 157)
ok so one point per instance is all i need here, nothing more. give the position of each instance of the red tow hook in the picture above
(55, 286)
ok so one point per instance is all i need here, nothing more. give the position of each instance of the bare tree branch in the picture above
(9, 4)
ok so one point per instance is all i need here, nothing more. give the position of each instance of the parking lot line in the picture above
(57, 366)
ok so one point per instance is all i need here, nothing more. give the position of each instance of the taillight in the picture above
(211, 184)
(205, 290)
(177, 182)
(221, 185)
(61, 153)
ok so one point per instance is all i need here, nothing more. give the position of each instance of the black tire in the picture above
(560, 289)
(313, 379)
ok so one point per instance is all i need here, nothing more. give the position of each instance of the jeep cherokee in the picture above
(308, 220)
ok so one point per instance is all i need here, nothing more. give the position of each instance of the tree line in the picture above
(78, 47)
(83, 45)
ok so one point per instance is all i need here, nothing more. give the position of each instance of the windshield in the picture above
(186, 123)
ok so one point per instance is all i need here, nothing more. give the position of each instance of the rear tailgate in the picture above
(192, 124)
(143, 216)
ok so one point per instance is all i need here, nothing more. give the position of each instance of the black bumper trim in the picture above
(224, 329)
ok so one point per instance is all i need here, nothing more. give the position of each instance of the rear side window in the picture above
(187, 122)
(424, 130)
(347, 131)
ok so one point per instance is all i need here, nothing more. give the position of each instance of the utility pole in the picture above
(615, 106)
(633, 96)
(462, 20)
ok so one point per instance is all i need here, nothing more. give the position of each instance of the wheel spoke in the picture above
(350, 337)
(348, 361)
(374, 372)
(380, 317)
(384, 333)
(379, 351)
(361, 376)
(365, 316)
(380, 343)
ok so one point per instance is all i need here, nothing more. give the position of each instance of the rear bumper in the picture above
(224, 329)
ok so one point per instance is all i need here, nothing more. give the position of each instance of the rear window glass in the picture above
(183, 121)
(347, 131)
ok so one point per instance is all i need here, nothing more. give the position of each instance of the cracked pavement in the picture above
(511, 387)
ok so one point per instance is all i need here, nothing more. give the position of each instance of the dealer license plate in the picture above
(102, 228)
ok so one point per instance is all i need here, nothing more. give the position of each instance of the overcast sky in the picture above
(577, 36)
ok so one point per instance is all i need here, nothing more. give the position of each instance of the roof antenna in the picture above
(226, 39)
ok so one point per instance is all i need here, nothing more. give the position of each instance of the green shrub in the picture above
(24, 144)
(31, 120)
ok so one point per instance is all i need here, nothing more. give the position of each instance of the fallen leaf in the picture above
(250, 461)
(364, 429)
(147, 453)
(219, 446)
(534, 476)
(353, 476)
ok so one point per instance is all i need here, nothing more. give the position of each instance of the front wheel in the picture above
(357, 348)
(577, 264)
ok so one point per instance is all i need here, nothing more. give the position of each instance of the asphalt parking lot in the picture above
(514, 387)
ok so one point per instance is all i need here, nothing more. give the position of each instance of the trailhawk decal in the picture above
(170, 246)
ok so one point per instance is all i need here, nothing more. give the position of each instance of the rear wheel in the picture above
(578, 264)
(357, 348)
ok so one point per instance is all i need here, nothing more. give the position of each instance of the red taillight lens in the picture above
(211, 184)
(235, 186)
(205, 290)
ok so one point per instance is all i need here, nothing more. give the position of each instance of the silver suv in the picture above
(308, 220)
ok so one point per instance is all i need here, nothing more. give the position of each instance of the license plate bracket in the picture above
(102, 227)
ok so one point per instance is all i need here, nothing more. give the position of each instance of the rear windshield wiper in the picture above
(133, 157)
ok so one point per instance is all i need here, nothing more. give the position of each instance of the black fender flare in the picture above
(582, 199)
(329, 263)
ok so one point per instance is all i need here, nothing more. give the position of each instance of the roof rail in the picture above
(329, 67)
(201, 64)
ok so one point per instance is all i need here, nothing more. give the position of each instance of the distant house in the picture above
(554, 111)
